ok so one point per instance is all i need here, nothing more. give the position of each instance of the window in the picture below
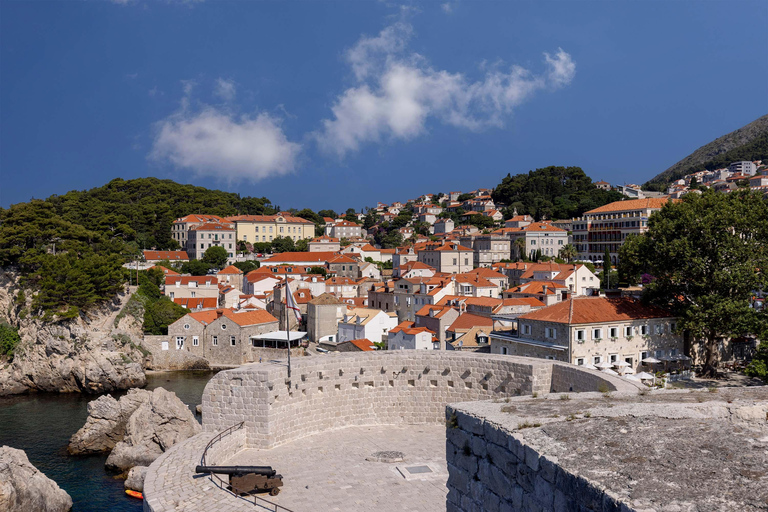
(643, 355)
(504, 350)
(171, 295)
(454, 261)
(526, 329)
(644, 330)
(232, 340)
(672, 327)
(580, 361)
(627, 331)
(658, 328)
(580, 335)
(192, 295)
(614, 358)
(596, 359)
(215, 341)
(195, 341)
(673, 352)
(179, 342)
(614, 332)
(597, 334)
(659, 353)
(223, 327)
(551, 333)
(186, 326)
(533, 242)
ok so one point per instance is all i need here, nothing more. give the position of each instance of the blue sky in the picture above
(326, 104)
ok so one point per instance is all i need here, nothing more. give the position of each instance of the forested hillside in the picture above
(747, 143)
(551, 193)
(70, 248)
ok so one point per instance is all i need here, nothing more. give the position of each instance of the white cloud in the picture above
(397, 92)
(447, 7)
(225, 89)
(215, 143)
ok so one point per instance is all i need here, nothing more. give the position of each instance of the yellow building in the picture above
(265, 228)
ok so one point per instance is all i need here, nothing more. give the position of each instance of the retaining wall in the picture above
(404, 387)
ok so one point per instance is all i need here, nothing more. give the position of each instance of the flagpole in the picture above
(287, 325)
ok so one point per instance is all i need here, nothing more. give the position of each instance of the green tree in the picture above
(328, 213)
(9, 339)
(706, 256)
(247, 265)
(283, 244)
(195, 267)
(465, 197)
(159, 314)
(318, 270)
(568, 252)
(519, 245)
(302, 245)
(215, 256)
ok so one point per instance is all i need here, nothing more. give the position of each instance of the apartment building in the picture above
(181, 226)
(265, 228)
(211, 234)
(448, 257)
(609, 225)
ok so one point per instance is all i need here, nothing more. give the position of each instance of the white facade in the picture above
(365, 323)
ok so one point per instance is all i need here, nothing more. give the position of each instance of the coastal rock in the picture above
(135, 480)
(86, 354)
(154, 427)
(23, 488)
(107, 419)
(199, 408)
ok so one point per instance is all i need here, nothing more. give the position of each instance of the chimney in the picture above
(545, 290)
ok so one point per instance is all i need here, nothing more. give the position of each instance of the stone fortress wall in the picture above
(405, 387)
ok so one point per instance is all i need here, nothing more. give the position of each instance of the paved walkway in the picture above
(328, 471)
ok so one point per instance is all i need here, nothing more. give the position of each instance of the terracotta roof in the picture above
(540, 226)
(487, 273)
(341, 259)
(363, 344)
(448, 246)
(340, 281)
(522, 301)
(230, 270)
(213, 226)
(589, 310)
(632, 204)
(346, 223)
(199, 218)
(536, 287)
(409, 328)
(468, 320)
(172, 280)
(256, 317)
(440, 310)
(474, 280)
(205, 317)
(166, 255)
(293, 257)
(268, 218)
(326, 239)
(197, 302)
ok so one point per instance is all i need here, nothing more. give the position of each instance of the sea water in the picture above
(42, 423)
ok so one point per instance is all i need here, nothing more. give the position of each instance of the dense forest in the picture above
(71, 248)
(551, 193)
(747, 143)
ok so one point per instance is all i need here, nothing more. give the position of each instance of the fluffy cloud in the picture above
(215, 143)
(225, 89)
(397, 92)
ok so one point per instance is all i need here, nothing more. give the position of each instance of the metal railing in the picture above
(221, 484)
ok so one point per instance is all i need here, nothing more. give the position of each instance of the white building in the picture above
(745, 168)
(368, 323)
(405, 336)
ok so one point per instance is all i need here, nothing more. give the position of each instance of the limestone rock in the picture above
(86, 354)
(23, 488)
(135, 480)
(154, 427)
(199, 408)
(106, 422)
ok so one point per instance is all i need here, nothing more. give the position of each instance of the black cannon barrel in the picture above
(236, 470)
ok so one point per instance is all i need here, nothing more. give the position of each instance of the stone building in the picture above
(591, 330)
(221, 336)
(324, 244)
(211, 234)
(323, 315)
(231, 276)
(448, 257)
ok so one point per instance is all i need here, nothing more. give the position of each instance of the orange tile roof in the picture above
(249, 317)
(409, 328)
(205, 317)
(522, 301)
(213, 226)
(325, 239)
(172, 280)
(363, 344)
(536, 287)
(342, 259)
(199, 218)
(268, 218)
(540, 226)
(230, 270)
(293, 257)
(487, 273)
(197, 302)
(632, 204)
(468, 320)
(474, 280)
(166, 255)
(589, 310)
(440, 310)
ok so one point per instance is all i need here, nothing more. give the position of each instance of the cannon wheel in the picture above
(274, 491)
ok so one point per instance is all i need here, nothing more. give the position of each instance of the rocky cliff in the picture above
(94, 353)
(24, 488)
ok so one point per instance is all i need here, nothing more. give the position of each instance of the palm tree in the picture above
(519, 244)
(568, 252)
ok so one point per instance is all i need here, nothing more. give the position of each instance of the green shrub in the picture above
(9, 339)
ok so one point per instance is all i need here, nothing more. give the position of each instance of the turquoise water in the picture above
(41, 425)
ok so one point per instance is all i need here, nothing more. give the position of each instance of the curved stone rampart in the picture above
(405, 387)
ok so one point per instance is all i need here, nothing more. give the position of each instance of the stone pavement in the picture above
(326, 471)
(329, 471)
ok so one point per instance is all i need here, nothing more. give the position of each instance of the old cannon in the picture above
(248, 479)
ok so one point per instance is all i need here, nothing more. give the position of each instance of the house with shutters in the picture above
(406, 336)
(592, 330)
